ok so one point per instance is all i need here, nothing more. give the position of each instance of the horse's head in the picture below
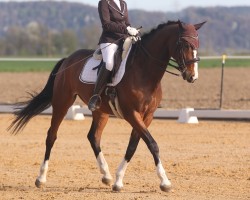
(186, 51)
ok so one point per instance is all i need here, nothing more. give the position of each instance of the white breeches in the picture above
(108, 53)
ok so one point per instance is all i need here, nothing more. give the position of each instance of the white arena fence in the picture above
(186, 115)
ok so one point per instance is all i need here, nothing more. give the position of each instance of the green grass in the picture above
(47, 66)
(26, 66)
(212, 63)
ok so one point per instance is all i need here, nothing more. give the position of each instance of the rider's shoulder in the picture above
(104, 1)
(109, 0)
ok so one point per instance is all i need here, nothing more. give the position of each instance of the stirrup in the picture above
(95, 102)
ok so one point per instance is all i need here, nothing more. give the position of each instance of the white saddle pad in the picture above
(89, 76)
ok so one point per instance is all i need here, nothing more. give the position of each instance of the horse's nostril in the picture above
(191, 79)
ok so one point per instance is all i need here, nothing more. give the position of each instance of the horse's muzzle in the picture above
(189, 77)
(191, 80)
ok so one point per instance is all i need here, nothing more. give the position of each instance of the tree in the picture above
(90, 36)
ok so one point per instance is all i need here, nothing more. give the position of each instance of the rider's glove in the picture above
(135, 38)
(132, 31)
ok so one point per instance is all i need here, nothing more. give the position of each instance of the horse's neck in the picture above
(159, 44)
(156, 55)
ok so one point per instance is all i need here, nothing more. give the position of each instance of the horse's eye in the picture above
(186, 46)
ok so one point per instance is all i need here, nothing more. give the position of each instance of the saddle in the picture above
(120, 54)
(110, 91)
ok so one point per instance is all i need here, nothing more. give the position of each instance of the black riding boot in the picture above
(102, 79)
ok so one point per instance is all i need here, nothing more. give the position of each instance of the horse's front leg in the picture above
(94, 137)
(133, 143)
(165, 184)
(140, 131)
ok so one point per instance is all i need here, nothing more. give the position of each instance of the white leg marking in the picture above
(43, 172)
(120, 173)
(196, 74)
(162, 175)
(104, 168)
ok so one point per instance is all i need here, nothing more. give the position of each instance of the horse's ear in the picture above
(198, 26)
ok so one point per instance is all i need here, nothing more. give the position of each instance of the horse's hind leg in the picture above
(61, 103)
(94, 137)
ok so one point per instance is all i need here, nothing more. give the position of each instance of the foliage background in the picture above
(48, 28)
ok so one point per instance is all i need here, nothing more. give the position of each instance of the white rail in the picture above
(186, 115)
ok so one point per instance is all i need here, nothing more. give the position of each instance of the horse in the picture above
(145, 68)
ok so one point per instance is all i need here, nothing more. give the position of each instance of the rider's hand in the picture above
(132, 31)
(135, 38)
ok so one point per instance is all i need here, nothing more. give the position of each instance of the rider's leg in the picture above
(108, 52)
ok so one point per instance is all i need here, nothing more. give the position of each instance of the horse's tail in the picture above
(25, 111)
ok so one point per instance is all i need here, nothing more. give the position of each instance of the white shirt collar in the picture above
(118, 3)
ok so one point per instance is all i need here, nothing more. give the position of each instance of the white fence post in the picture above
(74, 114)
(185, 116)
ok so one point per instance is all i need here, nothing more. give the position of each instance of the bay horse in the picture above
(145, 68)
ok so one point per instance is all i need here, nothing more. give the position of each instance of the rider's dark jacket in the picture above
(114, 21)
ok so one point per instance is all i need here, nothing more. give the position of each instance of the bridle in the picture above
(181, 63)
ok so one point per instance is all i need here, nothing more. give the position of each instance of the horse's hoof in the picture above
(39, 184)
(165, 188)
(107, 181)
(116, 188)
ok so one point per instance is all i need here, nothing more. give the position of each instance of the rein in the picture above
(161, 62)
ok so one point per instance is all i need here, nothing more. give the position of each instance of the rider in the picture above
(116, 27)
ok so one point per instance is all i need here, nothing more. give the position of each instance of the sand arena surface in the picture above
(210, 160)
(204, 93)
(205, 161)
